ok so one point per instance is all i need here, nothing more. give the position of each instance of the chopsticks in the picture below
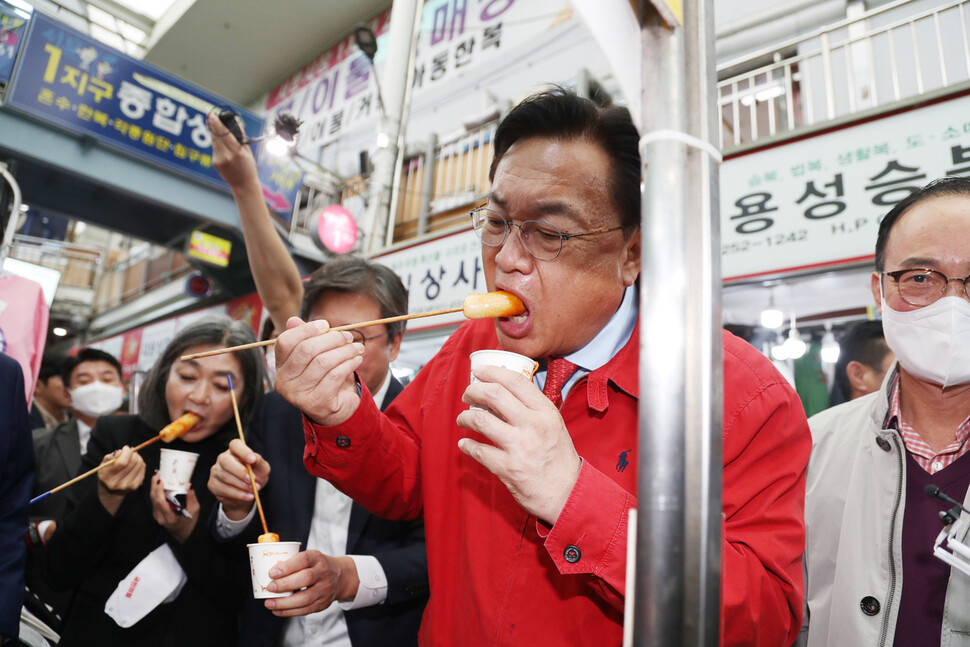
(362, 324)
(252, 479)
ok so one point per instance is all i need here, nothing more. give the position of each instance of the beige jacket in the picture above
(853, 513)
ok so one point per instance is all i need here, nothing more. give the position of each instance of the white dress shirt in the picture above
(328, 534)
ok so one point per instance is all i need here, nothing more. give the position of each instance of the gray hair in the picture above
(215, 330)
(355, 275)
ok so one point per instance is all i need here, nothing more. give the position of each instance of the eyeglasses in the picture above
(361, 339)
(541, 239)
(921, 286)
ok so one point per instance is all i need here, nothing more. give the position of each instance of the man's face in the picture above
(932, 234)
(570, 299)
(342, 308)
(53, 393)
(94, 370)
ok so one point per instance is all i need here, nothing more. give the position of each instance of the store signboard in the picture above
(818, 201)
(139, 348)
(209, 248)
(281, 179)
(439, 274)
(13, 24)
(69, 79)
(337, 90)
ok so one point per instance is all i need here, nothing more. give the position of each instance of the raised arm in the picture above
(274, 271)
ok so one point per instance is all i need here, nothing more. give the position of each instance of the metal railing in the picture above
(839, 70)
(79, 265)
(136, 272)
(458, 178)
(80, 268)
(434, 193)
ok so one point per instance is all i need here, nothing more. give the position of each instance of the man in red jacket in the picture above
(525, 499)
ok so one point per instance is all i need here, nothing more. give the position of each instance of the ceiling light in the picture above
(830, 348)
(59, 332)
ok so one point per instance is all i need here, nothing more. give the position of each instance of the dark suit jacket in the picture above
(36, 418)
(288, 500)
(16, 469)
(58, 457)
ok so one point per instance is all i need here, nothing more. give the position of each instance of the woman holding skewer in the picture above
(147, 572)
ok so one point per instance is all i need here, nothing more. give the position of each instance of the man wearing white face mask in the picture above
(871, 576)
(93, 378)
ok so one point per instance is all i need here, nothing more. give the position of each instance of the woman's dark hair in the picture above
(947, 186)
(563, 115)
(218, 330)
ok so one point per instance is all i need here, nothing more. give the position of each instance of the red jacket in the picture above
(498, 577)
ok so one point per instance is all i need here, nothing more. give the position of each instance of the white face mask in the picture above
(933, 342)
(97, 398)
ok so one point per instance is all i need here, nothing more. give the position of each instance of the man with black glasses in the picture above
(872, 575)
(364, 580)
(526, 497)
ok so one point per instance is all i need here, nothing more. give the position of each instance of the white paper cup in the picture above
(263, 557)
(175, 468)
(512, 361)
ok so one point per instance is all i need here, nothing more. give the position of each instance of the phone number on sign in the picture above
(773, 240)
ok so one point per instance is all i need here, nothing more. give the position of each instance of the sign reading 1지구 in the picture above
(818, 201)
(71, 80)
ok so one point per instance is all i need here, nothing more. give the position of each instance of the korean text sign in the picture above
(818, 201)
(68, 79)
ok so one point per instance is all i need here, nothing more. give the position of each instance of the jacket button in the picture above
(869, 604)
(883, 444)
(343, 441)
(572, 554)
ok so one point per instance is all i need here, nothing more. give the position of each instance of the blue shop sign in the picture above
(71, 80)
(281, 180)
(13, 25)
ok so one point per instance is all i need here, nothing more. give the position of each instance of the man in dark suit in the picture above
(52, 404)
(16, 471)
(375, 570)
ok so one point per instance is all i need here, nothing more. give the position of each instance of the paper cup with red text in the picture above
(175, 469)
(262, 558)
(512, 361)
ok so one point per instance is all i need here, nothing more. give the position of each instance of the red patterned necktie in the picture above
(557, 374)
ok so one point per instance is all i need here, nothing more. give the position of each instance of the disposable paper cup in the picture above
(175, 469)
(263, 557)
(512, 361)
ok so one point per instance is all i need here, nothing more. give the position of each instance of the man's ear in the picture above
(394, 345)
(874, 282)
(630, 265)
(855, 372)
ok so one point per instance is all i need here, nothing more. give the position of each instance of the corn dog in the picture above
(491, 305)
(267, 538)
(179, 427)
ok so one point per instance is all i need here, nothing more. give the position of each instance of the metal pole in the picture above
(385, 156)
(678, 535)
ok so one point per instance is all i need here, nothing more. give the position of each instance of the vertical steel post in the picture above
(393, 88)
(677, 583)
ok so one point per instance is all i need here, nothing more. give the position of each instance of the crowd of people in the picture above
(496, 512)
